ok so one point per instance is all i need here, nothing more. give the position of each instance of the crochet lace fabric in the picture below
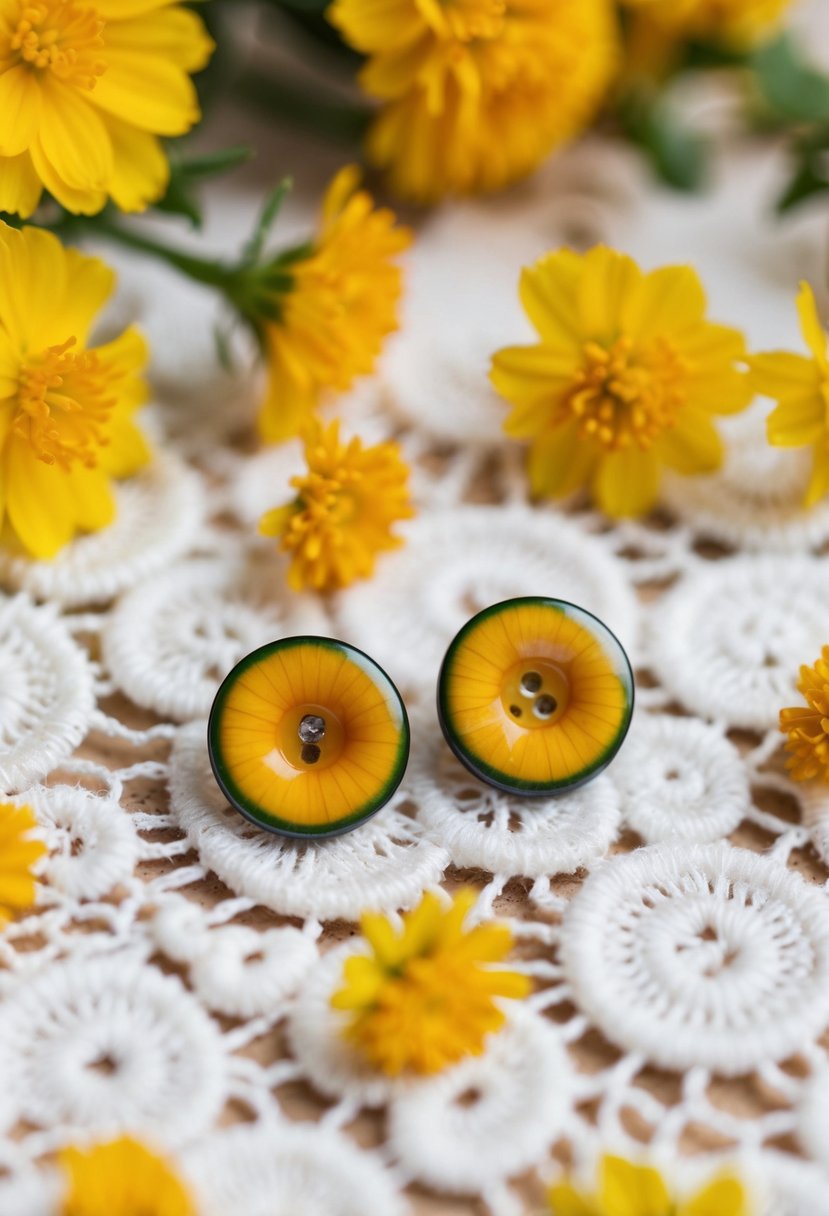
(175, 978)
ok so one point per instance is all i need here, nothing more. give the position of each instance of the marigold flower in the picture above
(625, 377)
(807, 726)
(475, 94)
(322, 311)
(738, 24)
(18, 854)
(800, 386)
(121, 1178)
(626, 1189)
(86, 89)
(423, 997)
(344, 511)
(66, 409)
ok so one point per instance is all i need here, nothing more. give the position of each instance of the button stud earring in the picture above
(308, 737)
(535, 696)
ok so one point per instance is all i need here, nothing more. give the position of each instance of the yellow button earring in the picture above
(535, 696)
(308, 737)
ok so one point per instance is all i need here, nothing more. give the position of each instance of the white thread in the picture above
(749, 623)
(680, 780)
(92, 844)
(159, 511)
(385, 863)
(243, 973)
(701, 955)
(46, 693)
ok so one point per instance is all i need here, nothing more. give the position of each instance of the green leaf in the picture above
(185, 174)
(810, 175)
(678, 155)
(267, 218)
(790, 85)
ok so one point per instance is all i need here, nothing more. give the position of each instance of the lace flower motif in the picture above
(807, 726)
(346, 506)
(121, 1178)
(18, 855)
(625, 377)
(424, 998)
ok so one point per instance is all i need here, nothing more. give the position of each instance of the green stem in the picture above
(337, 120)
(202, 270)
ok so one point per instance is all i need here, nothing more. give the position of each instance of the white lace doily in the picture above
(174, 979)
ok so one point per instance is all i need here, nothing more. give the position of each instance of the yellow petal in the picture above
(39, 501)
(565, 1200)
(147, 91)
(92, 499)
(533, 379)
(668, 301)
(140, 171)
(609, 279)
(779, 373)
(819, 480)
(632, 1190)
(560, 462)
(796, 421)
(810, 325)
(693, 445)
(88, 284)
(627, 482)
(274, 522)
(33, 277)
(20, 186)
(722, 1197)
(78, 201)
(74, 140)
(173, 33)
(127, 450)
(548, 292)
(20, 106)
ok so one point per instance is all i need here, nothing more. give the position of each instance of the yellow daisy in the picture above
(344, 511)
(18, 855)
(121, 1178)
(86, 89)
(328, 308)
(624, 378)
(626, 1189)
(475, 94)
(66, 409)
(807, 726)
(800, 386)
(734, 23)
(423, 997)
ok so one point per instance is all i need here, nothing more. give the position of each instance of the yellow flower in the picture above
(626, 1189)
(424, 997)
(476, 93)
(65, 408)
(18, 854)
(121, 1178)
(625, 377)
(800, 385)
(86, 89)
(807, 726)
(738, 24)
(344, 510)
(333, 306)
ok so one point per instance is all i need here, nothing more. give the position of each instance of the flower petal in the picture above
(20, 107)
(78, 201)
(140, 170)
(693, 445)
(560, 462)
(796, 421)
(20, 186)
(778, 373)
(609, 279)
(172, 32)
(810, 324)
(627, 482)
(39, 501)
(548, 292)
(147, 91)
(74, 139)
(668, 301)
(819, 481)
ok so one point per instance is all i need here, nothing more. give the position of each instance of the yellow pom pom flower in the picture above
(626, 1189)
(18, 855)
(475, 94)
(344, 511)
(807, 726)
(86, 89)
(423, 997)
(121, 1178)
(625, 377)
(800, 386)
(738, 24)
(328, 308)
(66, 409)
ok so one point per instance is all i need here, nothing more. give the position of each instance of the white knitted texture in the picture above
(176, 974)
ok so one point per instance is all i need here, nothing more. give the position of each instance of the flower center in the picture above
(465, 20)
(62, 406)
(621, 399)
(61, 37)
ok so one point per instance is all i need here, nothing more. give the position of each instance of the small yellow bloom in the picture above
(343, 513)
(121, 1178)
(626, 1189)
(476, 93)
(737, 24)
(86, 89)
(807, 726)
(625, 377)
(423, 998)
(18, 854)
(66, 409)
(800, 386)
(332, 307)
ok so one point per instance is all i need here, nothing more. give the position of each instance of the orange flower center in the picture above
(622, 398)
(63, 407)
(61, 37)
